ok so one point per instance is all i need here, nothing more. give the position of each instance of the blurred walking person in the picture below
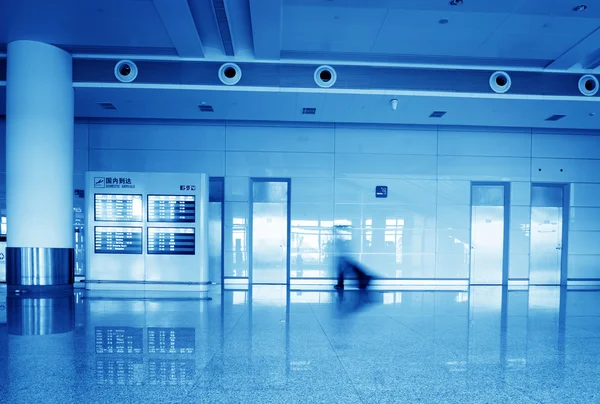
(343, 262)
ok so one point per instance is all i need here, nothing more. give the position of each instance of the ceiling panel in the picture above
(535, 36)
(559, 8)
(484, 6)
(108, 23)
(339, 29)
(461, 36)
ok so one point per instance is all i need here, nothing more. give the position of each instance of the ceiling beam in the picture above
(578, 56)
(240, 27)
(179, 22)
(266, 28)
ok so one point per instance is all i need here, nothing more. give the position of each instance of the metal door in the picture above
(546, 234)
(488, 230)
(270, 229)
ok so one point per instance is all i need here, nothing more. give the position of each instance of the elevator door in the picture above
(487, 234)
(546, 234)
(270, 231)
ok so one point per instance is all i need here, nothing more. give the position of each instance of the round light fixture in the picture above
(444, 21)
(230, 74)
(579, 8)
(325, 76)
(500, 82)
(456, 2)
(588, 85)
(125, 71)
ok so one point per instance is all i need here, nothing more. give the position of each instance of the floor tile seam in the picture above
(454, 351)
(214, 355)
(522, 391)
(337, 356)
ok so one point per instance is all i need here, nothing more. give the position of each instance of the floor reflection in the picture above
(268, 343)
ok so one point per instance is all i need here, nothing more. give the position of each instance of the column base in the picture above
(38, 267)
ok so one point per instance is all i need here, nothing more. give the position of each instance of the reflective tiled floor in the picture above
(272, 346)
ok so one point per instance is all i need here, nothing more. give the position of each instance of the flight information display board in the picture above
(117, 240)
(117, 208)
(172, 208)
(172, 240)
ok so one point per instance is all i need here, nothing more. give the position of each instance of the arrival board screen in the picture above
(117, 208)
(172, 208)
(118, 240)
(171, 240)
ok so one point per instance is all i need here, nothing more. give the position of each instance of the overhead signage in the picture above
(113, 182)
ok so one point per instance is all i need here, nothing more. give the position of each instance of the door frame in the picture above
(251, 227)
(566, 216)
(220, 180)
(506, 240)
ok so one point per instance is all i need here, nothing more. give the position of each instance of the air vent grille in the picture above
(437, 114)
(555, 118)
(206, 108)
(107, 105)
(309, 111)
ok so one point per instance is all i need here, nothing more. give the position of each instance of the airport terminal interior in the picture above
(299, 201)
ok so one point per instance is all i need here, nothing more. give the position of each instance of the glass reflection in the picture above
(41, 313)
(271, 338)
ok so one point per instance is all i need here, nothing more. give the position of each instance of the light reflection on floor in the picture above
(483, 344)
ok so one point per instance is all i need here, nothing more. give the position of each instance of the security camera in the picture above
(325, 76)
(588, 85)
(126, 71)
(500, 82)
(230, 74)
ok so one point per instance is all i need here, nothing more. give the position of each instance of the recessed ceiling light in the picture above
(444, 21)
(456, 2)
(581, 7)
(592, 113)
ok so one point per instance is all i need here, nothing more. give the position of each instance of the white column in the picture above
(39, 159)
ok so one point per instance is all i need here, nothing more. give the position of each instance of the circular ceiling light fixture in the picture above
(444, 21)
(230, 74)
(579, 8)
(325, 76)
(126, 71)
(588, 85)
(500, 82)
(456, 2)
